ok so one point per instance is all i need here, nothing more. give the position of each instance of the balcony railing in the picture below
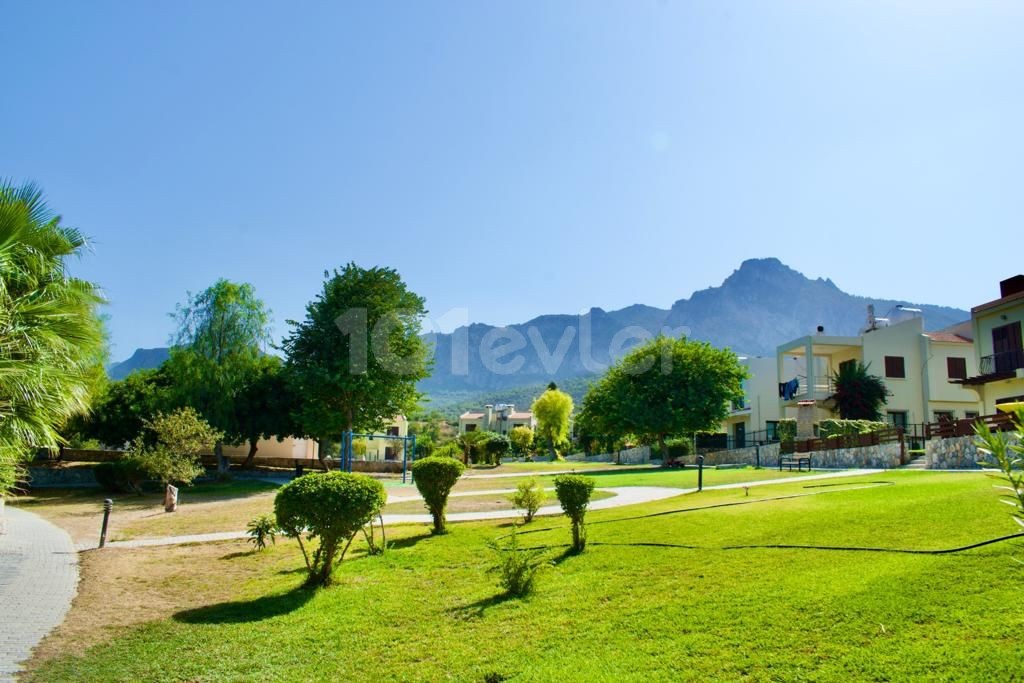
(821, 386)
(1007, 361)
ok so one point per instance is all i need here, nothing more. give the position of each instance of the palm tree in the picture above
(51, 337)
(859, 395)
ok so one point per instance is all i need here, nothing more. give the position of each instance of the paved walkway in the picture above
(624, 495)
(38, 579)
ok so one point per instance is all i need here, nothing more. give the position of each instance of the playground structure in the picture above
(345, 455)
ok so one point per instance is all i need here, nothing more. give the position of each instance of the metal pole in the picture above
(700, 472)
(108, 504)
(757, 455)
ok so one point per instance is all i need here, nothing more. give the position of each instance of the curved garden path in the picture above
(38, 579)
(624, 495)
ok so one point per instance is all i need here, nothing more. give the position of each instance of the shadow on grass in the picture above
(408, 541)
(475, 610)
(246, 611)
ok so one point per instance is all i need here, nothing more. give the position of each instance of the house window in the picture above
(956, 368)
(971, 414)
(846, 364)
(894, 367)
(771, 430)
(898, 418)
(471, 428)
(944, 415)
(392, 431)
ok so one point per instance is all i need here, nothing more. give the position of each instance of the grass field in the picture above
(210, 507)
(685, 594)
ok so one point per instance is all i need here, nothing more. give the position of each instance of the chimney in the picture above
(1011, 286)
(489, 414)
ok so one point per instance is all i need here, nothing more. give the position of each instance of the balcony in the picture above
(1000, 363)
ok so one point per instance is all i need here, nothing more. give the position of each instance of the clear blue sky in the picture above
(520, 158)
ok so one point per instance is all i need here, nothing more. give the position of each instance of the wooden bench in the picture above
(798, 459)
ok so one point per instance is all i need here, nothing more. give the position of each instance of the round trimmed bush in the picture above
(573, 493)
(435, 477)
(332, 508)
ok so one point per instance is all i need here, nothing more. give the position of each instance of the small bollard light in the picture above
(108, 505)
(700, 472)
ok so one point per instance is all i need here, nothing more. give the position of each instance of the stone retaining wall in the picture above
(955, 453)
(884, 455)
(640, 455)
(769, 456)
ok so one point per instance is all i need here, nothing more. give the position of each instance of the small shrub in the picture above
(529, 496)
(435, 477)
(120, 476)
(574, 493)
(330, 508)
(522, 439)
(829, 428)
(516, 567)
(262, 529)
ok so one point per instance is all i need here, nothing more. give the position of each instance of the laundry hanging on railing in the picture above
(788, 390)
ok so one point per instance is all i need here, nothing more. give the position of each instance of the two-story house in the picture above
(501, 418)
(998, 378)
(921, 370)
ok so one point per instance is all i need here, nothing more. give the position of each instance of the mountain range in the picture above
(759, 306)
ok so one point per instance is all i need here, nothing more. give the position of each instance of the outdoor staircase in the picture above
(918, 463)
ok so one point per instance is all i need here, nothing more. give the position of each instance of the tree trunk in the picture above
(321, 454)
(223, 464)
(248, 464)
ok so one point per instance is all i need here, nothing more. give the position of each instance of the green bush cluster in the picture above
(829, 428)
(786, 430)
(573, 493)
(448, 450)
(677, 449)
(330, 508)
(120, 476)
(435, 477)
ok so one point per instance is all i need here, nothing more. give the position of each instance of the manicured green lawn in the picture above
(689, 609)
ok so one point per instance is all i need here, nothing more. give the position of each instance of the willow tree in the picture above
(217, 354)
(50, 332)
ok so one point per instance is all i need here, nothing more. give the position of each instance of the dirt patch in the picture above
(121, 588)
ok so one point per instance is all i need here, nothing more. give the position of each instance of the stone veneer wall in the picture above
(884, 455)
(744, 456)
(634, 456)
(958, 453)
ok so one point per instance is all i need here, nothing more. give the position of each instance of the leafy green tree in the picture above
(217, 354)
(522, 439)
(357, 356)
(265, 406)
(666, 387)
(497, 447)
(859, 395)
(170, 452)
(50, 331)
(120, 413)
(552, 411)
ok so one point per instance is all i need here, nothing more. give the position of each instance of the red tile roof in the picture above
(521, 416)
(947, 337)
(471, 416)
